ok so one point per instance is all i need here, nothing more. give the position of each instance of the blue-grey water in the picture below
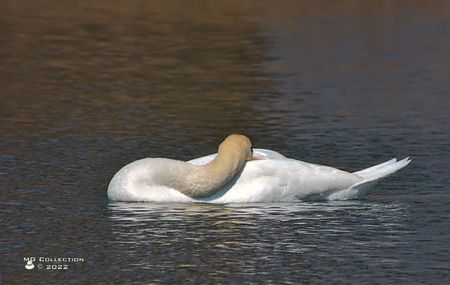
(86, 87)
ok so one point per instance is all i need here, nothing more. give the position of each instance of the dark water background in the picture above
(88, 87)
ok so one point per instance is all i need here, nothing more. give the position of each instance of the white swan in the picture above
(239, 174)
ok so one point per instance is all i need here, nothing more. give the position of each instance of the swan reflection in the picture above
(338, 216)
(173, 235)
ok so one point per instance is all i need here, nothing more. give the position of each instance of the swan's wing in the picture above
(283, 180)
(265, 153)
(268, 154)
(259, 181)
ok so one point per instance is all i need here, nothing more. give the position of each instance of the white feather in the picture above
(272, 179)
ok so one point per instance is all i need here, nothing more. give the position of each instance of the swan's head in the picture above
(238, 144)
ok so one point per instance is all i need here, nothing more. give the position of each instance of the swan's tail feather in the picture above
(370, 177)
(383, 169)
(375, 167)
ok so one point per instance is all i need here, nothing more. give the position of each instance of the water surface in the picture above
(87, 88)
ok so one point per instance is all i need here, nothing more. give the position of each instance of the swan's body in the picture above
(272, 177)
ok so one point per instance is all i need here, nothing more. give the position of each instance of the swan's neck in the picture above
(205, 180)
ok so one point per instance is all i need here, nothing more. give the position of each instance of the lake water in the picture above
(89, 87)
